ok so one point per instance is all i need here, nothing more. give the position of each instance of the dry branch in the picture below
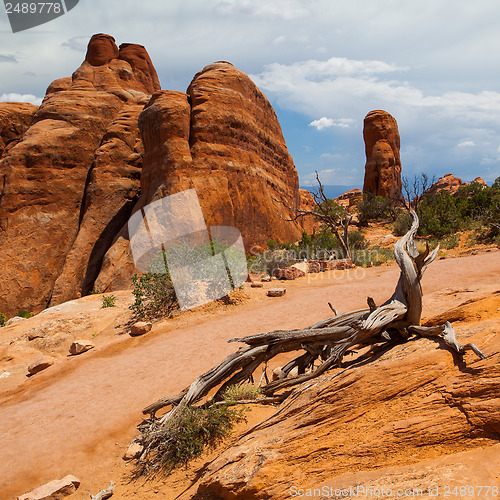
(326, 341)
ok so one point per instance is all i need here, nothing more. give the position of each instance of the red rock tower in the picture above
(383, 164)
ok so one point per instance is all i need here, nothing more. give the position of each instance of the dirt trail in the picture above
(78, 421)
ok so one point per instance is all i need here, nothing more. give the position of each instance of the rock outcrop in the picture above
(451, 184)
(377, 425)
(15, 119)
(223, 139)
(107, 142)
(71, 179)
(383, 164)
(349, 198)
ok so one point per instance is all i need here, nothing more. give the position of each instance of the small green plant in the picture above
(154, 295)
(186, 437)
(94, 292)
(402, 223)
(108, 301)
(24, 314)
(241, 392)
(3, 319)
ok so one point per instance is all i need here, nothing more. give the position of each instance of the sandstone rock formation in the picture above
(55, 490)
(71, 176)
(223, 139)
(376, 425)
(383, 164)
(15, 119)
(69, 183)
(452, 184)
(349, 198)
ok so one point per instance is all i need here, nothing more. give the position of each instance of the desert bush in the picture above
(154, 295)
(3, 319)
(357, 240)
(452, 241)
(190, 433)
(375, 208)
(241, 392)
(24, 314)
(108, 301)
(402, 223)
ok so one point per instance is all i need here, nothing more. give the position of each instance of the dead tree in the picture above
(416, 189)
(325, 342)
(334, 216)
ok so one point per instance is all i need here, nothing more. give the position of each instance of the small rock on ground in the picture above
(81, 346)
(276, 292)
(40, 365)
(140, 328)
(55, 490)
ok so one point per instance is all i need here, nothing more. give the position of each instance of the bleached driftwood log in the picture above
(326, 341)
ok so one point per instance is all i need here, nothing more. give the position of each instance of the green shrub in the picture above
(187, 436)
(241, 392)
(402, 223)
(357, 241)
(375, 208)
(24, 314)
(154, 295)
(108, 301)
(3, 319)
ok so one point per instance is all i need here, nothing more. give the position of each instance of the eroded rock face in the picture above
(383, 164)
(70, 181)
(398, 418)
(15, 119)
(223, 139)
(452, 184)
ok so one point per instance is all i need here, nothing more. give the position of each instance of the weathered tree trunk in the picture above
(327, 340)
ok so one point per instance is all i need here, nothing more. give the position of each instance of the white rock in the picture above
(276, 292)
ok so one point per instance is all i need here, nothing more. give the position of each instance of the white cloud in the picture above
(466, 144)
(285, 9)
(78, 43)
(325, 122)
(13, 97)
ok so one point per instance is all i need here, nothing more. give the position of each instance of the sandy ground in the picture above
(78, 416)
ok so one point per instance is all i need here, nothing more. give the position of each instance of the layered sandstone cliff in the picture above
(72, 173)
(69, 181)
(383, 163)
(223, 139)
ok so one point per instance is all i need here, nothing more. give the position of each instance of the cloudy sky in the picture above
(324, 64)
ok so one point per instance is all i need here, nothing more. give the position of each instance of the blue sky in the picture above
(323, 64)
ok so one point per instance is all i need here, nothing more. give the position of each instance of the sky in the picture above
(323, 64)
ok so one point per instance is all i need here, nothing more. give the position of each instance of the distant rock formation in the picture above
(73, 171)
(383, 164)
(452, 184)
(349, 198)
